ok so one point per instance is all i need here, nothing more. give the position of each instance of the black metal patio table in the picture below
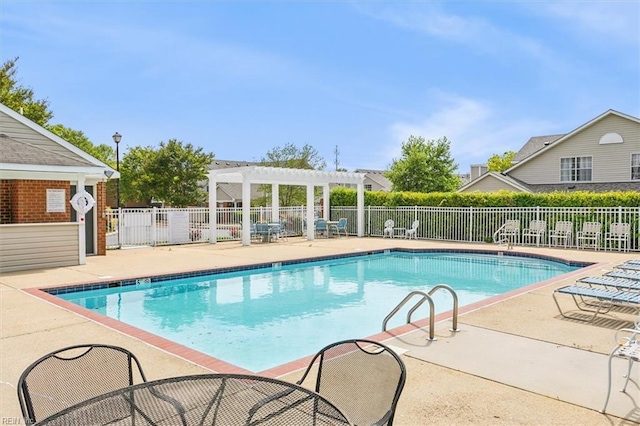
(208, 399)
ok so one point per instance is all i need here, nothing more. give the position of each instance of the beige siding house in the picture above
(601, 155)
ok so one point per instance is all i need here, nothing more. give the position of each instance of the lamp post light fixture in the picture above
(117, 137)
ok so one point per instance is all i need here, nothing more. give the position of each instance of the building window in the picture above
(368, 187)
(635, 166)
(575, 169)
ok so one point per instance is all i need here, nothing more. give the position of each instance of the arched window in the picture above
(611, 138)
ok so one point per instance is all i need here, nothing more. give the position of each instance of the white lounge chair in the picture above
(536, 229)
(563, 233)
(596, 300)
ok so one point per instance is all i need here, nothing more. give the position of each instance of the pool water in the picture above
(261, 318)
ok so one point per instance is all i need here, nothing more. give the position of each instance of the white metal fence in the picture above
(466, 224)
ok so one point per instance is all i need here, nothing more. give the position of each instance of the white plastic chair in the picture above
(590, 235)
(563, 232)
(508, 233)
(388, 228)
(536, 229)
(620, 233)
(413, 231)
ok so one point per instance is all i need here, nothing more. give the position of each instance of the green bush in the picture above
(348, 197)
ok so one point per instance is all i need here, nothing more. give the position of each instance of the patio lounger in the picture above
(629, 266)
(596, 300)
(624, 274)
(619, 283)
(634, 261)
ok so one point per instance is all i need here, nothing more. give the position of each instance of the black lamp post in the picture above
(117, 137)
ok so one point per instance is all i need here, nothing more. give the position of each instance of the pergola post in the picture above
(360, 208)
(275, 203)
(246, 211)
(310, 212)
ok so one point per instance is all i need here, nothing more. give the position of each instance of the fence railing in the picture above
(465, 224)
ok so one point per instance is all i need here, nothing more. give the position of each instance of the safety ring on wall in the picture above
(82, 202)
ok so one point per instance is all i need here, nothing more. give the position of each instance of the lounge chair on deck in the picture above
(629, 266)
(536, 229)
(624, 274)
(596, 300)
(618, 283)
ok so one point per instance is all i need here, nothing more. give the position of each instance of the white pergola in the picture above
(276, 176)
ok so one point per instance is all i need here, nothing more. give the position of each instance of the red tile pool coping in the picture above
(218, 365)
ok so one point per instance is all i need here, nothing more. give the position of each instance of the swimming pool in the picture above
(266, 316)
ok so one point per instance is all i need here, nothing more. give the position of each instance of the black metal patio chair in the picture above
(362, 377)
(72, 375)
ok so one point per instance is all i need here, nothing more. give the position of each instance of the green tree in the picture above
(425, 166)
(173, 173)
(102, 152)
(291, 157)
(500, 163)
(18, 97)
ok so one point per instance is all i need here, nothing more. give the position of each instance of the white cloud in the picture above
(475, 128)
(473, 31)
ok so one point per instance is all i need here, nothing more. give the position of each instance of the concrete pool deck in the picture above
(515, 361)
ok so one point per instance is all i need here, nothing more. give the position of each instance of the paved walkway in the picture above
(455, 380)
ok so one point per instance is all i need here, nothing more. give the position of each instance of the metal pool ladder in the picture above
(425, 297)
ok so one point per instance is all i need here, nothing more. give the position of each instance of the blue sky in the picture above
(240, 78)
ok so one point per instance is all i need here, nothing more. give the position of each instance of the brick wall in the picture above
(29, 201)
(25, 201)
(5, 201)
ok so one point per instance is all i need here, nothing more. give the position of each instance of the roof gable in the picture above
(498, 176)
(558, 141)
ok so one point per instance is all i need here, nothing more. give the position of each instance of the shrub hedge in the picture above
(347, 197)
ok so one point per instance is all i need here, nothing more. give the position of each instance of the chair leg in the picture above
(606, 401)
(626, 382)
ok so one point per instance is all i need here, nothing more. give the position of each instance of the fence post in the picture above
(471, 224)
(119, 227)
(154, 236)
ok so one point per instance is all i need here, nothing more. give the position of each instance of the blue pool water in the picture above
(261, 318)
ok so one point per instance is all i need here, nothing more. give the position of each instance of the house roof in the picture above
(55, 158)
(507, 180)
(534, 145)
(377, 176)
(19, 152)
(569, 135)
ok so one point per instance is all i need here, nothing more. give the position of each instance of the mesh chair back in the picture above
(72, 375)
(362, 377)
